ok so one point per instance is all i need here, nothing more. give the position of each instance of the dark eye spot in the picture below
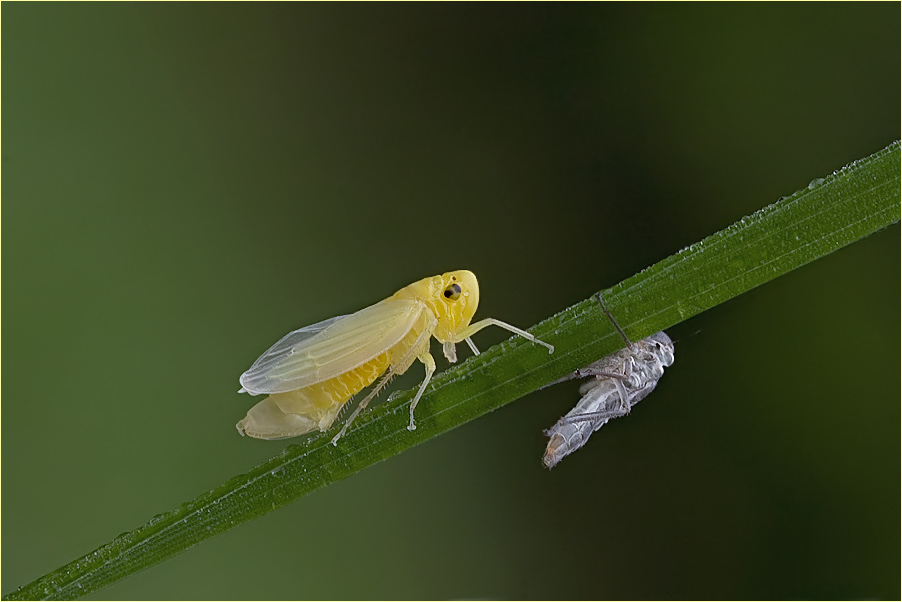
(452, 292)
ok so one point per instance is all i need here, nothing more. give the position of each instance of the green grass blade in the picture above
(831, 213)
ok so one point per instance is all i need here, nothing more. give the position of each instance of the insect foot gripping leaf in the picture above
(310, 373)
(618, 382)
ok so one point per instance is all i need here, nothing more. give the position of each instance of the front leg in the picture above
(460, 337)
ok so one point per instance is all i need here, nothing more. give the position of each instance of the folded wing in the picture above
(332, 347)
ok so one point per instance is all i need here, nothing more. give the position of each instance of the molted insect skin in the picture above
(619, 381)
(312, 372)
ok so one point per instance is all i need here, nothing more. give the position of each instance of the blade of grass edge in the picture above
(830, 213)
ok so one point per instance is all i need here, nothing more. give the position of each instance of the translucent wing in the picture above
(332, 347)
(282, 347)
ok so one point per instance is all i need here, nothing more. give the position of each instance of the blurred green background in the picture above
(185, 183)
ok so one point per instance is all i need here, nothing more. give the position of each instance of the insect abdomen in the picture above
(294, 413)
(403, 354)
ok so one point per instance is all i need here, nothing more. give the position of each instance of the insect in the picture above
(619, 381)
(309, 374)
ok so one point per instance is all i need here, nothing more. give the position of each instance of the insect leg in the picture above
(624, 396)
(362, 406)
(450, 351)
(605, 414)
(429, 362)
(472, 346)
(617, 379)
(613, 321)
(584, 372)
(474, 328)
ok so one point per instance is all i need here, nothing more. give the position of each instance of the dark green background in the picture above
(183, 184)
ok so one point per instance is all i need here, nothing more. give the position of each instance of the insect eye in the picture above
(452, 292)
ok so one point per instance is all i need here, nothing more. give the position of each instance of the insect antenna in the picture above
(613, 321)
(675, 341)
